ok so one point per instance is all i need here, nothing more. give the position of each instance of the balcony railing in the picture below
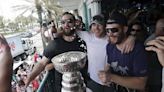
(47, 84)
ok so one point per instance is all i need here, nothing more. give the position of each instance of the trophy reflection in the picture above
(69, 64)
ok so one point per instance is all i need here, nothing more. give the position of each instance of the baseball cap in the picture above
(118, 18)
(98, 19)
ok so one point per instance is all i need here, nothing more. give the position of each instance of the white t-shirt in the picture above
(96, 50)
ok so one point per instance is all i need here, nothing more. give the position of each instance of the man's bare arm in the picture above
(49, 67)
(129, 82)
(128, 45)
(38, 68)
(6, 65)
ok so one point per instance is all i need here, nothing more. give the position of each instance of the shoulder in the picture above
(83, 34)
(82, 44)
(109, 45)
(79, 39)
(55, 41)
(53, 44)
(139, 48)
(50, 44)
(151, 37)
(139, 45)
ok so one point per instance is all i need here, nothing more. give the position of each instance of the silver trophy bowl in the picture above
(69, 61)
(69, 64)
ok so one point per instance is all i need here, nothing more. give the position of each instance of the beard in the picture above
(117, 39)
(121, 37)
(69, 32)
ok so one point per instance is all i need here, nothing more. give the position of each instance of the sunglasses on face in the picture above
(137, 30)
(67, 21)
(112, 30)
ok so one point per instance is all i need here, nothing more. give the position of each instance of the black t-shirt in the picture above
(58, 46)
(154, 72)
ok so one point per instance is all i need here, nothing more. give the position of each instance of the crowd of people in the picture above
(120, 54)
(19, 78)
(20, 75)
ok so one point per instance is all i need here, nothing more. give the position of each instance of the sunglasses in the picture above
(137, 30)
(67, 21)
(112, 30)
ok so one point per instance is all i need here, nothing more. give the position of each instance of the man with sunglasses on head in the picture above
(124, 72)
(68, 41)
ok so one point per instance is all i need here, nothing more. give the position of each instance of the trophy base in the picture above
(73, 82)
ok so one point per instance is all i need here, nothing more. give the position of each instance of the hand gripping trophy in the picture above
(69, 64)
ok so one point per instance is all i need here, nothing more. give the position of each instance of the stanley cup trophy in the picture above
(69, 64)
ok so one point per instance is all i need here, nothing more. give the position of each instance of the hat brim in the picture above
(97, 22)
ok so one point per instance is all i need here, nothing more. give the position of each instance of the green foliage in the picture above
(48, 8)
(2, 22)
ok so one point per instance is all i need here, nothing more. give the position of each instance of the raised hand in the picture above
(157, 45)
(6, 65)
(104, 76)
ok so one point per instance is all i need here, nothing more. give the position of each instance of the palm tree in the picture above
(33, 6)
(52, 9)
(2, 25)
(48, 7)
(41, 7)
